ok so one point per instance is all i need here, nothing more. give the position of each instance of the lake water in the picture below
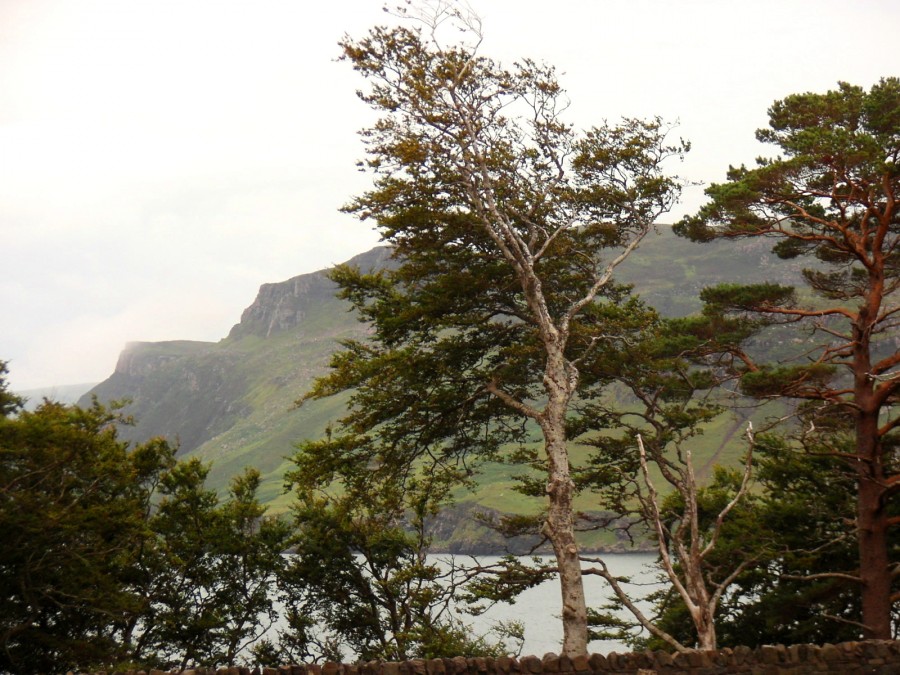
(539, 608)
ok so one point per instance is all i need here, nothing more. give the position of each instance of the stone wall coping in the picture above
(874, 657)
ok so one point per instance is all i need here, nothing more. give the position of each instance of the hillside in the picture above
(231, 402)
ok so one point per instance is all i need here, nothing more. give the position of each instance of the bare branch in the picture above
(745, 482)
(626, 600)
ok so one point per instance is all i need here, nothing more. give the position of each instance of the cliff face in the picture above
(186, 391)
(280, 307)
(219, 399)
(287, 305)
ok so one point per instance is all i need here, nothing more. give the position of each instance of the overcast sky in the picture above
(160, 159)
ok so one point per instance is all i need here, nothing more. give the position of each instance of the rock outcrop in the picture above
(284, 306)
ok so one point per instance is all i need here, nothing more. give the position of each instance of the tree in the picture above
(795, 527)
(833, 198)
(71, 513)
(9, 402)
(360, 575)
(507, 226)
(116, 556)
(670, 381)
(251, 558)
(208, 570)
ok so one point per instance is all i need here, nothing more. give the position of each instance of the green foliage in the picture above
(210, 570)
(72, 515)
(9, 402)
(744, 298)
(359, 572)
(787, 380)
(116, 556)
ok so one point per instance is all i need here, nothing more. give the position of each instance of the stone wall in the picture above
(849, 658)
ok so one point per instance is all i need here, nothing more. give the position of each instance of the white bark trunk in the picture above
(560, 529)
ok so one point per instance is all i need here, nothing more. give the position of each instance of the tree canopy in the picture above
(832, 199)
(117, 555)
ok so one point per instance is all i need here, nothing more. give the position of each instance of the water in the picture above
(539, 608)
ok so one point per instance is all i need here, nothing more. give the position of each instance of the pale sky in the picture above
(160, 159)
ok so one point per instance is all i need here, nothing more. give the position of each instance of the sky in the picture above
(160, 159)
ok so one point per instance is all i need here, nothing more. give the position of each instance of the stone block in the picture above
(638, 660)
(699, 659)
(460, 665)
(742, 654)
(797, 653)
(503, 664)
(830, 652)
(435, 667)
(661, 659)
(531, 664)
(875, 649)
(550, 663)
(769, 654)
(581, 664)
(682, 659)
(597, 662)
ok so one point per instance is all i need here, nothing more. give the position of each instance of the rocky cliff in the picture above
(287, 305)
(220, 398)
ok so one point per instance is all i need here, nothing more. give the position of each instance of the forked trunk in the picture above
(699, 603)
(705, 624)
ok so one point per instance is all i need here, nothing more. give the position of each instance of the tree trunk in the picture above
(560, 528)
(872, 525)
(874, 564)
(705, 624)
(871, 516)
(698, 601)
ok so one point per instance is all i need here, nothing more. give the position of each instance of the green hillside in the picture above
(231, 403)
